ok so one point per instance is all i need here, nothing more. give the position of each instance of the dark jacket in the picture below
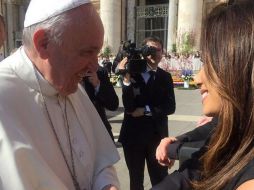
(194, 139)
(159, 96)
(189, 169)
(105, 98)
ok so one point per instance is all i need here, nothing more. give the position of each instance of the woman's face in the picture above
(211, 99)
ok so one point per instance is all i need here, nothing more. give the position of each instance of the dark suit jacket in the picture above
(159, 97)
(189, 169)
(105, 98)
(107, 65)
(194, 139)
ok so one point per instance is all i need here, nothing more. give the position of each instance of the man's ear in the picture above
(41, 41)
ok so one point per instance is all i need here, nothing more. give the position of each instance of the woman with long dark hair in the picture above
(227, 88)
(226, 83)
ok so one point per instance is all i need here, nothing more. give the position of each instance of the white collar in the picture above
(149, 69)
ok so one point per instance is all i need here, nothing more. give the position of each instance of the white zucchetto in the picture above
(40, 10)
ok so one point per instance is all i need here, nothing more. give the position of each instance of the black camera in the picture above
(136, 62)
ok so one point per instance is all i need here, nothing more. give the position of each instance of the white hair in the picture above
(54, 28)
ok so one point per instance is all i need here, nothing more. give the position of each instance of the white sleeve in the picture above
(105, 177)
(21, 167)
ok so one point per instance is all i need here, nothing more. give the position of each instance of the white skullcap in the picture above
(40, 10)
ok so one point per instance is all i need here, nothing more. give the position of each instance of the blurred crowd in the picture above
(176, 62)
(170, 62)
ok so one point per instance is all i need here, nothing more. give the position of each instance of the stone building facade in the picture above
(168, 19)
(13, 12)
(126, 20)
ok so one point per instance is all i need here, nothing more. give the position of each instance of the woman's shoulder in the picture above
(249, 184)
(244, 180)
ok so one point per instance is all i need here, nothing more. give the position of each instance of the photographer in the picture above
(148, 97)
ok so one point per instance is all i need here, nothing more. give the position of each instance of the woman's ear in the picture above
(41, 41)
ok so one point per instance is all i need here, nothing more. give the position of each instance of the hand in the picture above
(93, 78)
(138, 112)
(122, 64)
(127, 78)
(161, 152)
(167, 163)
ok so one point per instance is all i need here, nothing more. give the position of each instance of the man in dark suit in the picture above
(107, 64)
(148, 98)
(101, 92)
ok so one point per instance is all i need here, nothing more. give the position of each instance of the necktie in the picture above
(152, 75)
(151, 79)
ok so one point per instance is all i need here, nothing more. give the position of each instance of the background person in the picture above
(148, 98)
(51, 135)
(102, 93)
(107, 64)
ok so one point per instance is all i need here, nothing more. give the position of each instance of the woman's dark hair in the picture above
(228, 56)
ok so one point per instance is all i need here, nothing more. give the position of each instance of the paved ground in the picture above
(188, 111)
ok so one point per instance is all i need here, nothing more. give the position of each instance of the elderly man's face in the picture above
(77, 55)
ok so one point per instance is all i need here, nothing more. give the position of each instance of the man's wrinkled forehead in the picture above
(41, 10)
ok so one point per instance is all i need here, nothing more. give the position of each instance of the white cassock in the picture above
(30, 157)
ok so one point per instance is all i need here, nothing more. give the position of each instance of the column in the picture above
(190, 19)
(22, 15)
(131, 20)
(123, 20)
(142, 2)
(172, 20)
(10, 29)
(110, 12)
(2, 32)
